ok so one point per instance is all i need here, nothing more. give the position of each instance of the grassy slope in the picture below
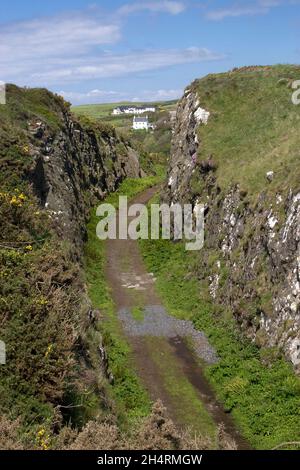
(253, 128)
(22, 105)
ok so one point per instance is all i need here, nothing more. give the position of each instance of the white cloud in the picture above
(54, 36)
(164, 6)
(107, 65)
(92, 96)
(69, 48)
(250, 8)
(158, 95)
(29, 46)
(109, 96)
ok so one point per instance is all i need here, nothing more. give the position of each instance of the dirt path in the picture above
(164, 362)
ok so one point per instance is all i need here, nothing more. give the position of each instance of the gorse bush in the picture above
(156, 432)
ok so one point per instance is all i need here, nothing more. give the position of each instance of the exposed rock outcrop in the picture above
(185, 145)
(76, 166)
(251, 257)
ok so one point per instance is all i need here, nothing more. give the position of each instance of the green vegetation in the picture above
(138, 313)
(25, 103)
(253, 127)
(24, 106)
(103, 112)
(38, 310)
(263, 399)
(131, 187)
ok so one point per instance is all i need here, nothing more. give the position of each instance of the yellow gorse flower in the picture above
(40, 301)
(14, 201)
(18, 200)
(43, 439)
(44, 445)
(49, 349)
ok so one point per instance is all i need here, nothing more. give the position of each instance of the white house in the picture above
(145, 109)
(140, 123)
(133, 110)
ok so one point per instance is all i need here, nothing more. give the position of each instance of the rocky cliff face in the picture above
(75, 167)
(251, 258)
(185, 145)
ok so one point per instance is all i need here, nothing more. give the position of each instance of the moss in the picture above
(266, 303)
(138, 314)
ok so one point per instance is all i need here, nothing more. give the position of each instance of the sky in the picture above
(109, 51)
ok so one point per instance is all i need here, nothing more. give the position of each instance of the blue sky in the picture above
(105, 51)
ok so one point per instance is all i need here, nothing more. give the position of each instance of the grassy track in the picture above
(127, 392)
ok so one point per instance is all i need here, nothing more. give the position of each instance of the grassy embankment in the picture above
(31, 302)
(253, 128)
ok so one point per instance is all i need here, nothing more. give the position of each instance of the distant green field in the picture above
(123, 121)
(105, 110)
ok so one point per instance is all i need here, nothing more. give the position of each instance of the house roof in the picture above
(140, 119)
(123, 108)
